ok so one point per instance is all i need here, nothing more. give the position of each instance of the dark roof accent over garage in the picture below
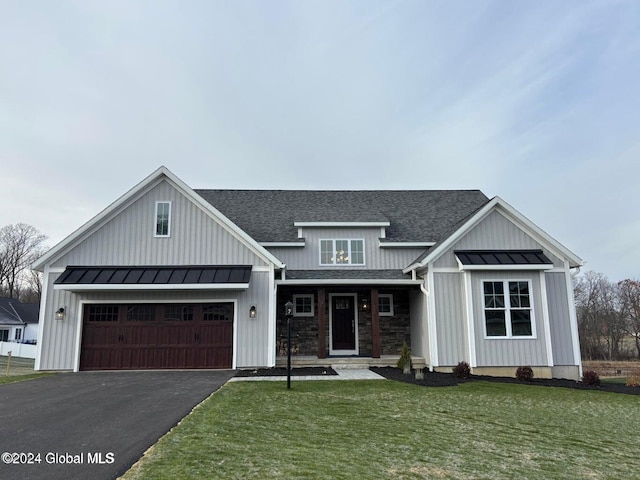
(156, 275)
(502, 257)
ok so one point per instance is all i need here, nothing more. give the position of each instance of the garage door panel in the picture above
(157, 336)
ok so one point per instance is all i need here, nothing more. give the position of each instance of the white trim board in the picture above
(341, 224)
(344, 281)
(147, 287)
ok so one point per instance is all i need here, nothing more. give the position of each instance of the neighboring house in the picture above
(18, 321)
(169, 277)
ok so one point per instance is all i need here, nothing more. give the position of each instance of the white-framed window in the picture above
(163, 219)
(18, 334)
(342, 252)
(385, 305)
(303, 305)
(508, 309)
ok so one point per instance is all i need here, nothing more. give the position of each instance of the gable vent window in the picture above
(163, 219)
(342, 252)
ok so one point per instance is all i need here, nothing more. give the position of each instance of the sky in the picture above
(536, 102)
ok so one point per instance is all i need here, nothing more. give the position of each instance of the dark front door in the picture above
(343, 323)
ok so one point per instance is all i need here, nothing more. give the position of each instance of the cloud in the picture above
(535, 102)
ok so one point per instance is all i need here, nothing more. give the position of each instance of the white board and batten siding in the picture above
(419, 330)
(495, 232)
(559, 319)
(57, 338)
(515, 352)
(375, 257)
(452, 335)
(553, 342)
(127, 239)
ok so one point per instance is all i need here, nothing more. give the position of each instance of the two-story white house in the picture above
(171, 277)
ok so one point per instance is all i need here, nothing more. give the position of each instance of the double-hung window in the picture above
(303, 305)
(385, 305)
(163, 219)
(507, 309)
(342, 252)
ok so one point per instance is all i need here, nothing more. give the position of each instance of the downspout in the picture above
(426, 295)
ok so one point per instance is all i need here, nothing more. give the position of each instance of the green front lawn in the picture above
(384, 429)
(20, 378)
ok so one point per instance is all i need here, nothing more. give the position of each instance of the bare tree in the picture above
(18, 245)
(629, 291)
(601, 321)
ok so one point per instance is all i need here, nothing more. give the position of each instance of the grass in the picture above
(19, 370)
(21, 378)
(384, 429)
(19, 366)
(620, 380)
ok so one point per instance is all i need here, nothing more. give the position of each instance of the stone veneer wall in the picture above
(304, 330)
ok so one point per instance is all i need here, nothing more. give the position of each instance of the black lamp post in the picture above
(288, 312)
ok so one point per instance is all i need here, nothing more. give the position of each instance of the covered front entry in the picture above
(343, 324)
(157, 336)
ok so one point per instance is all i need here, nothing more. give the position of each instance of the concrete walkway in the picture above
(343, 374)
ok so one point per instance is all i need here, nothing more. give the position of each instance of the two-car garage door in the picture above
(157, 336)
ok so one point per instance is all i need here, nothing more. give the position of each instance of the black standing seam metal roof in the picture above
(502, 257)
(414, 215)
(152, 275)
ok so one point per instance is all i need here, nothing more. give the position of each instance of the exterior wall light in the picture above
(252, 312)
(364, 305)
(60, 314)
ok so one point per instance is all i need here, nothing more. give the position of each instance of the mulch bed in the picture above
(435, 379)
(282, 372)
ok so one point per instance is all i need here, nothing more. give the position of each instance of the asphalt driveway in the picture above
(93, 424)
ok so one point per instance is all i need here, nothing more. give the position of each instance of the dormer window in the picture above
(342, 252)
(163, 219)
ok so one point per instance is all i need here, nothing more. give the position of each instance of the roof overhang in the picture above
(283, 244)
(138, 278)
(344, 281)
(172, 287)
(341, 224)
(384, 244)
(502, 260)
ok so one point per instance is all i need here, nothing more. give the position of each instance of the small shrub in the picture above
(590, 377)
(633, 381)
(462, 370)
(404, 362)
(524, 374)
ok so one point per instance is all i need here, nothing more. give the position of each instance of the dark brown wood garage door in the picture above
(157, 336)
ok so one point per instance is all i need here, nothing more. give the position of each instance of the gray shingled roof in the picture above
(414, 215)
(12, 312)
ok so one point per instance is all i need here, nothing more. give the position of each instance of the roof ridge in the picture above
(306, 190)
